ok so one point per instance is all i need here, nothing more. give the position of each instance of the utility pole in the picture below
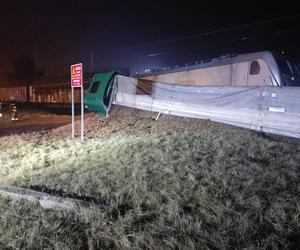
(91, 61)
(36, 55)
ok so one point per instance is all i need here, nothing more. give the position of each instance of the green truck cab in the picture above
(99, 92)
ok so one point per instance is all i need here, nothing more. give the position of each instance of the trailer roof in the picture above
(267, 56)
(222, 60)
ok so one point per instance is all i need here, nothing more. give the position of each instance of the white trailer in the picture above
(253, 69)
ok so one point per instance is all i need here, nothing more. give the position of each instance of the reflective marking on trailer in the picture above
(277, 109)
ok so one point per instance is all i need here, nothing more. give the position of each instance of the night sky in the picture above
(143, 34)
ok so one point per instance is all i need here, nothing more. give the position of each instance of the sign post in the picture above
(77, 82)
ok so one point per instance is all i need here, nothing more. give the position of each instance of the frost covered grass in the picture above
(212, 190)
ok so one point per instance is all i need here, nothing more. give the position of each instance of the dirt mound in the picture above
(137, 122)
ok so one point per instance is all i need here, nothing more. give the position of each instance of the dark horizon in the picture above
(131, 35)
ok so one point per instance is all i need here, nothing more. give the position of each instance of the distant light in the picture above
(282, 52)
(155, 54)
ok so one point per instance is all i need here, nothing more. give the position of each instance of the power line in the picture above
(225, 29)
(244, 38)
(208, 33)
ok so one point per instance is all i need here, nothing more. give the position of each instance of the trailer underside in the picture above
(268, 109)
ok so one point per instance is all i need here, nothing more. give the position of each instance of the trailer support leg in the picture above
(158, 115)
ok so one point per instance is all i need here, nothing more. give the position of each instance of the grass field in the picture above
(219, 189)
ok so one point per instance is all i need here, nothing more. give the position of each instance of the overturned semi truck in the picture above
(251, 90)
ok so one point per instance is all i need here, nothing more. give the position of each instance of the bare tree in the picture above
(25, 69)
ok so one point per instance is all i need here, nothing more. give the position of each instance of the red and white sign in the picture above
(76, 75)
